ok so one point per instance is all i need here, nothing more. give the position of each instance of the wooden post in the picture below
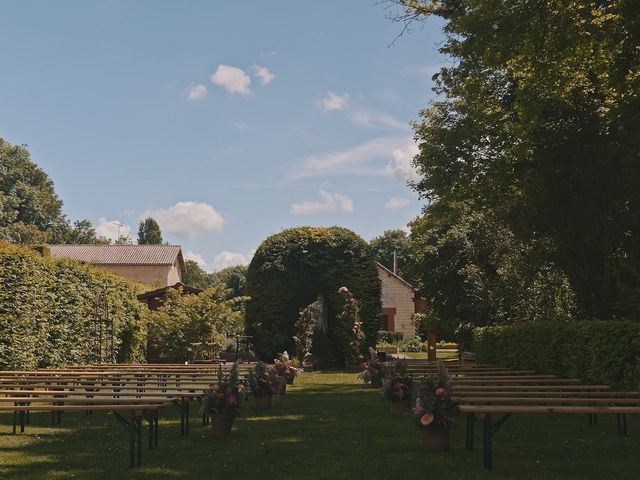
(432, 339)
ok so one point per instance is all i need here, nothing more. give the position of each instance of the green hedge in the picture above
(291, 268)
(598, 352)
(46, 311)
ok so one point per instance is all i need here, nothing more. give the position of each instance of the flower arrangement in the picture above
(373, 370)
(399, 385)
(351, 331)
(434, 407)
(225, 396)
(264, 382)
(285, 367)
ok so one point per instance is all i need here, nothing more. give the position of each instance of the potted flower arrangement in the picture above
(398, 388)
(435, 410)
(373, 370)
(285, 369)
(222, 401)
(264, 384)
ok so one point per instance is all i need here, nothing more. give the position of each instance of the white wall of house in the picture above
(397, 303)
(152, 275)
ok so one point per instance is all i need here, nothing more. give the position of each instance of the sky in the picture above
(225, 121)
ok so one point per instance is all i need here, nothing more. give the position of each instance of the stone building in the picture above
(154, 265)
(398, 303)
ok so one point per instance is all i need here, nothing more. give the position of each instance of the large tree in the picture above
(149, 232)
(396, 242)
(537, 122)
(30, 210)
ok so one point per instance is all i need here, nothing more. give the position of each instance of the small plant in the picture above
(225, 396)
(399, 385)
(434, 407)
(285, 368)
(264, 382)
(373, 370)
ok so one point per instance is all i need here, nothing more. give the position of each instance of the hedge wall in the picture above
(46, 311)
(598, 352)
(291, 268)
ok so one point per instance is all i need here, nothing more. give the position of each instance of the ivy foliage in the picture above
(598, 351)
(288, 272)
(46, 311)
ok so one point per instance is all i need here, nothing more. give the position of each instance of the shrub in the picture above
(596, 351)
(291, 269)
(183, 320)
(390, 337)
(46, 311)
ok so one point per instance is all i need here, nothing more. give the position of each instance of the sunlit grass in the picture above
(328, 426)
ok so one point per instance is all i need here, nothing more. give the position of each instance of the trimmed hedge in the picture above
(291, 268)
(598, 352)
(46, 311)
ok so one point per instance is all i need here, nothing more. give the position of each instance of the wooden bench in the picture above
(133, 425)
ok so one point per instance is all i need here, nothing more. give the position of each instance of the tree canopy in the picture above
(149, 232)
(396, 241)
(535, 127)
(30, 209)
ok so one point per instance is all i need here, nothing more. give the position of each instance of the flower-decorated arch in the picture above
(288, 272)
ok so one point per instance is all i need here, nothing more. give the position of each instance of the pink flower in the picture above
(426, 419)
(397, 387)
(441, 392)
(420, 411)
(231, 400)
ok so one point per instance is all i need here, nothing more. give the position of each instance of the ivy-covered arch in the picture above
(288, 272)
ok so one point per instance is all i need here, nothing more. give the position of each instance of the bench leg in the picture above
(138, 428)
(470, 433)
(486, 444)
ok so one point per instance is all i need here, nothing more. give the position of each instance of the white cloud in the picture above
(187, 219)
(229, 259)
(196, 257)
(111, 228)
(366, 159)
(331, 202)
(241, 125)
(377, 120)
(195, 93)
(396, 202)
(401, 167)
(233, 79)
(333, 101)
(263, 73)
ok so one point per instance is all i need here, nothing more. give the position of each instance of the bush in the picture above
(413, 345)
(598, 352)
(46, 311)
(288, 272)
(183, 320)
(390, 337)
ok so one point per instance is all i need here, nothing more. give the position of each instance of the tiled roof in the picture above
(120, 254)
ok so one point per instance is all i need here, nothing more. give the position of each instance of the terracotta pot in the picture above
(434, 439)
(222, 424)
(263, 402)
(400, 408)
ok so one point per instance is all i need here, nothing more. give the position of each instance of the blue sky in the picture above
(226, 121)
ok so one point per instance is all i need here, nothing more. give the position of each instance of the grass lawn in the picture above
(328, 426)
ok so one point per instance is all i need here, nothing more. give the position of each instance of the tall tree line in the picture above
(530, 160)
